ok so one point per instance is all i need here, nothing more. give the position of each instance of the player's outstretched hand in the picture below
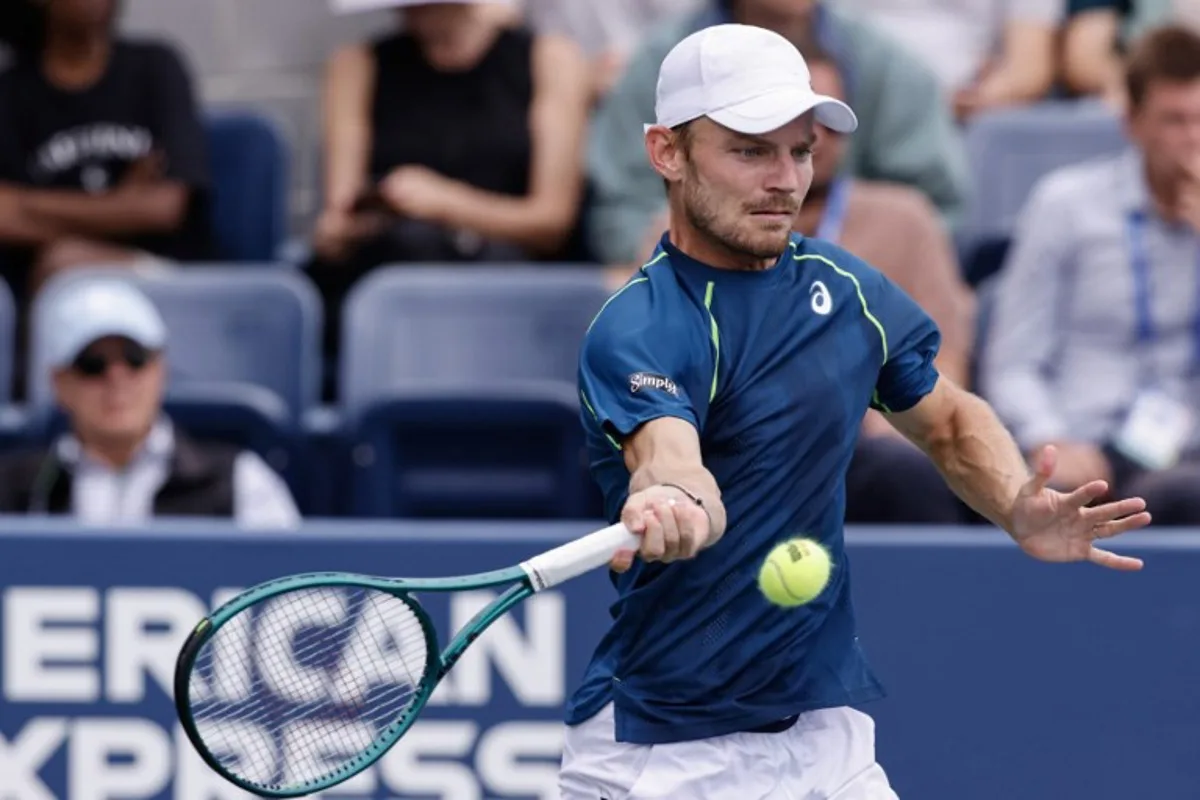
(1053, 526)
(671, 526)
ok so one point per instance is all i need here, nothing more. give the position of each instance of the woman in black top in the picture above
(460, 139)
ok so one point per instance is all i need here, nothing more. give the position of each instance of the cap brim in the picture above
(85, 337)
(773, 110)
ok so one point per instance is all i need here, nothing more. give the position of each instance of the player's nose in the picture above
(785, 178)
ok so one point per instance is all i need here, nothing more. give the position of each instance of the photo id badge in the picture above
(1156, 431)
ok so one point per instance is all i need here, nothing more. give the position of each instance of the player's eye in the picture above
(802, 153)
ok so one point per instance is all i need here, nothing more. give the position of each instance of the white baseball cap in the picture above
(749, 79)
(85, 310)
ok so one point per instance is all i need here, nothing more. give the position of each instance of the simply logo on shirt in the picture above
(648, 380)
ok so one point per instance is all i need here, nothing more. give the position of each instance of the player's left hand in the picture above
(1053, 526)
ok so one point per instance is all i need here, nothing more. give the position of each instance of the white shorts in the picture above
(827, 755)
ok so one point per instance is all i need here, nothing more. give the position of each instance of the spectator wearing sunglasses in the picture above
(123, 460)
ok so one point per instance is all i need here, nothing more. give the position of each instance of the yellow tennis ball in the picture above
(795, 572)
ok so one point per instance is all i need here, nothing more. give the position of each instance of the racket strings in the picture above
(292, 692)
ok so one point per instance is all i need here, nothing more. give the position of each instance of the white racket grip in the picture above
(577, 557)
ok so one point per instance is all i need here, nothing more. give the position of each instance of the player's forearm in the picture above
(979, 459)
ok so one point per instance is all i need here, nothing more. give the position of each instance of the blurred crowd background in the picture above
(276, 259)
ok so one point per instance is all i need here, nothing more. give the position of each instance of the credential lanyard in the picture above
(830, 228)
(1139, 263)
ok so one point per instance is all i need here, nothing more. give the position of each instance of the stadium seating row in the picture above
(458, 385)
(1008, 151)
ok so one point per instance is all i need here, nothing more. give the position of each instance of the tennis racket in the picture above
(301, 683)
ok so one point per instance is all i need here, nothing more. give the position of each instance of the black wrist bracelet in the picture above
(695, 498)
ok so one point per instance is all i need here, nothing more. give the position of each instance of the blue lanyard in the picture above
(1139, 263)
(830, 228)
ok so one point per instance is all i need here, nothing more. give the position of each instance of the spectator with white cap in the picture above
(123, 460)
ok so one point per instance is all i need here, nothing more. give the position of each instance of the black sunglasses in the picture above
(92, 365)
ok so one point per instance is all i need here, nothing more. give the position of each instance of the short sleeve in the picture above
(177, 126)
(911, 341)
(640, 362)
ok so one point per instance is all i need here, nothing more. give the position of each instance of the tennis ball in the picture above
(795, 572)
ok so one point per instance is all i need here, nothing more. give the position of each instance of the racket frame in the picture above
(534, 575)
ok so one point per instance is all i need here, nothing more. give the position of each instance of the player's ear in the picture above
(665, 149)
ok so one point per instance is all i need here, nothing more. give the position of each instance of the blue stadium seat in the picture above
(1009, 151)
(16, 430)
(227, 324)
(459, 386)
(250, 181)
(493, 451)
(403, 325)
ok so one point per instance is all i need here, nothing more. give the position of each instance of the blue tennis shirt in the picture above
(775, 369)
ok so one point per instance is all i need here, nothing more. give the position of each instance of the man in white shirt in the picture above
(124, 461)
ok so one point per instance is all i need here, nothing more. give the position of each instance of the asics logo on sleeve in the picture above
(822, 302)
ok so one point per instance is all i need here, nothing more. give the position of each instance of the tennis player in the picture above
(724, 386)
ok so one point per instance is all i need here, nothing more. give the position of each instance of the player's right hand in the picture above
(670, 524)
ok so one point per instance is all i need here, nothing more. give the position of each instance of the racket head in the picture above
(277, 690)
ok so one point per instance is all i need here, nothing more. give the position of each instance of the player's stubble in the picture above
(729, 222)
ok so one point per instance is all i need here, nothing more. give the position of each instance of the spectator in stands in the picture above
(459, 139)
(1096, 34)
(102, 151)
(987, 54)
(1095, 339)
(124, 461)
(905, 131)
(897, 230)
(608, 31)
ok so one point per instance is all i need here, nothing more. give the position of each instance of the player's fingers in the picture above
(622, 560)
(1115, 510)
(665, 511)
(693, 528)
(633, 516)
(1043, 468)
(652, 540)
(1087, 493)
(1104, 558)
(1118, 526)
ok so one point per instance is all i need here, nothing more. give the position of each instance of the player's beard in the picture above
(736, 235)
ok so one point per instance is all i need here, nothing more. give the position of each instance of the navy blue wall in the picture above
(1007, 678)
